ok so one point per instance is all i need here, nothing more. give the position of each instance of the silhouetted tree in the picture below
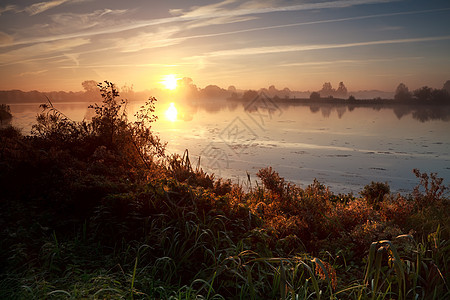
(187, 87)
(314, 96)
(432, 95)
(286, 93)
(402, 93)
(447, 86)
(90, 86)
(440, 96)
(327, 90)
(423, 94)
(232, 89)
(213, 92)
(272, 90)
(342, 90)
(249, 95)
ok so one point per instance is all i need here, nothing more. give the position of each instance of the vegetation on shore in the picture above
(5, 113)
(97, 209)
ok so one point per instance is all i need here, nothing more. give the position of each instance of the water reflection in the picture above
(172, 113)
(421, 113)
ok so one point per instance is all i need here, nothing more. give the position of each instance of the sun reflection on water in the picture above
(171, 113)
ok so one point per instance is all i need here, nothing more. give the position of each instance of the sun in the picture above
(170, 81)
(171, 113)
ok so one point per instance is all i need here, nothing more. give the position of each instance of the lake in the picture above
(344, 147)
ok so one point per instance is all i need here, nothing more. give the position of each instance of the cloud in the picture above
(74, 57)
(115, 66)
(13, 8)
(40, 50)
(347, 62)
(71, 25)
(5, 39)
(389, 28)
(106, 17)
(219, 10)
(298, 48)
(31, 73)
(224, 12)
(40, 7)
(147, 40)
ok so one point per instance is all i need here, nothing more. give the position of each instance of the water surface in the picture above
(343, 147)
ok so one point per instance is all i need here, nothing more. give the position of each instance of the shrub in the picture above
(374, 193)
(5, 113)
(430, 191)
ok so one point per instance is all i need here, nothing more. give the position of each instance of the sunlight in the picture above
(171, 113)
(170, 82)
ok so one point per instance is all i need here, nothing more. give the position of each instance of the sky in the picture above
(368, 44)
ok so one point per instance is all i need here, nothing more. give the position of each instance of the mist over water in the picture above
(343, 147)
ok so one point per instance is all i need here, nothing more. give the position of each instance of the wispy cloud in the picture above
(13, 8)
(40, 7)
(166, 36)
(31, 73)
(74, 57)
(220, 9)
(389, 28)
(224, 12)
(72, 25)
(5, 39)
(161, 38)
(297, 48)
(115, 66)
(40, 50)
(310, 23)
(347, 62)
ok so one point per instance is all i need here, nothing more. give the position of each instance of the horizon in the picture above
(174, 90)
(368, 44)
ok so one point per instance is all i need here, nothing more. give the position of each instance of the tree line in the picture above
(424, 94)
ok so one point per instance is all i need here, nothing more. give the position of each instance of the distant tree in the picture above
(233, 96)
(351, 98)
(90, 86)
(402, 93)
(342, 90)
(327, 89)
(249, 95)
(232, 92)
(423, 94)
(314, 96)
(286, 92)
(127, 89)
(213, 91)
(440, 96)
(272, 90)
(187, 87)
(232, 89)
(447, 86)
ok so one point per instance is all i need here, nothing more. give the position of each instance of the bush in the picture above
(5, 113)
(374, 193)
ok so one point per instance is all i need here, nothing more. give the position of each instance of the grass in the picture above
(97, 210)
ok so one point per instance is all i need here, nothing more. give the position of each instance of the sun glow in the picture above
(170, 81)
(171, 113)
